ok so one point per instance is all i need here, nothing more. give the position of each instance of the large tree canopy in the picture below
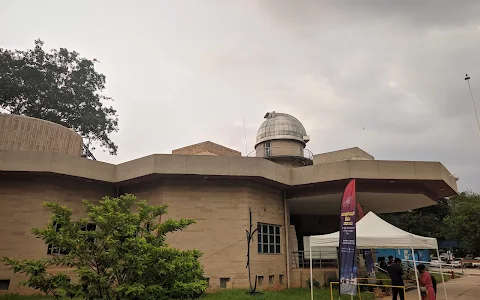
(427, 221)
(456, 218)
(58, 86)
(463, 223)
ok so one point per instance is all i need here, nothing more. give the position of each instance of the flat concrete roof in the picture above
(253, 167)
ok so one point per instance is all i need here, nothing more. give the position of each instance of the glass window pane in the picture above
(259, 248)
(271, 239)
(265, 238)
(272, 249)
(277, 239)
(264, 229)
(259, 238)
(265, 249)
(271, 229)
(277, 249)
(277, 230)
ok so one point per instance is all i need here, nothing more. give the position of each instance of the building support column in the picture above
(287, 224)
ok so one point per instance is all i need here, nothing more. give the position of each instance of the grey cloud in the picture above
(386, 76)
(442, 13)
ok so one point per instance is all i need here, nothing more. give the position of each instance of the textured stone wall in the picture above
(21, 133)
(281, 148)
(206, 148)
(22, 197)
(220, 209)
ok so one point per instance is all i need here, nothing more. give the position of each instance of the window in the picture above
(208, 281)
(268, 149)
(260, 280)
(268, 239)
(52, 249)
(271, 279)
(223, 282)
(280, 278)
(4, 284)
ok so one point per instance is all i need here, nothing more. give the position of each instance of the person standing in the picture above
(396, 274)
(427, 289)
(390, 260)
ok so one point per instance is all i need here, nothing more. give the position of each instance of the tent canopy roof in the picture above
(373, 232)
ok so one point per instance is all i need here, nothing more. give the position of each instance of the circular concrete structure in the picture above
(282, 138)
(20, 133)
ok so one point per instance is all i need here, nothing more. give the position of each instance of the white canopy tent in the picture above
(373, 233)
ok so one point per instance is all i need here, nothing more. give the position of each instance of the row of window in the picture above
(260, 281)
(52, 249)
(268, 238)
(271, 280)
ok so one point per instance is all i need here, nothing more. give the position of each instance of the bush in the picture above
(118, 252)
(315, 283)
(330, 279)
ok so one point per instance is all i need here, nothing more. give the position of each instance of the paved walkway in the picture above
(464, 288)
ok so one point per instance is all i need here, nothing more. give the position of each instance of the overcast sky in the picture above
(386, 76)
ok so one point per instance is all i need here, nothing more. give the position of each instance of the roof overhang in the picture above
(430, 179)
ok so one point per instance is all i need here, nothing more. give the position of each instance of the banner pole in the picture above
(311, 270)
(441, 272)
(416, 274)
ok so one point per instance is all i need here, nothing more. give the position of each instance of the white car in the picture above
(456, 262)
(476, 262)
(437, 263)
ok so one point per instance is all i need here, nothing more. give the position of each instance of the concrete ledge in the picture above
(168, 164)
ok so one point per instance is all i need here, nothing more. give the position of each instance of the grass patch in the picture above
(290, 294)
(446, 277)
(234, 294)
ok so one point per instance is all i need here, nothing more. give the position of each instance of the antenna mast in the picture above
(467, 79)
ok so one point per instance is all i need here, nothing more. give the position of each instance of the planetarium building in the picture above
(291, 193)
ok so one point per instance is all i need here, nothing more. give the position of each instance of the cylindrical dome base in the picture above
(20, 133)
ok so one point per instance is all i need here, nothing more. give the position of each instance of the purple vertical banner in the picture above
(347, 243)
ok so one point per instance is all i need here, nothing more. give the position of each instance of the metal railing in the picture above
(306, 154)
(320, 259)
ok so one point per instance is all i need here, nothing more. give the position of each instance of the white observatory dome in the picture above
(281, 126)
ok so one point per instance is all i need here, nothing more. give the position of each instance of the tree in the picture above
(58, 86)
(463, 223)
(117, 252)
(427, 221)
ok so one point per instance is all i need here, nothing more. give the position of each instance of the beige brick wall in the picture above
(22, 209)
(206, 148)
(267, 207)
(31, 134)
(220, 209)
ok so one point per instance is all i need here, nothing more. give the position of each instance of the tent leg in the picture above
(443, 280)
(416, 274)
(311, 273)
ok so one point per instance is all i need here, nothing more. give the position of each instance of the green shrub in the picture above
(315, 283)
(124, 257)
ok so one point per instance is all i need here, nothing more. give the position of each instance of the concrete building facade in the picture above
(291, 194)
